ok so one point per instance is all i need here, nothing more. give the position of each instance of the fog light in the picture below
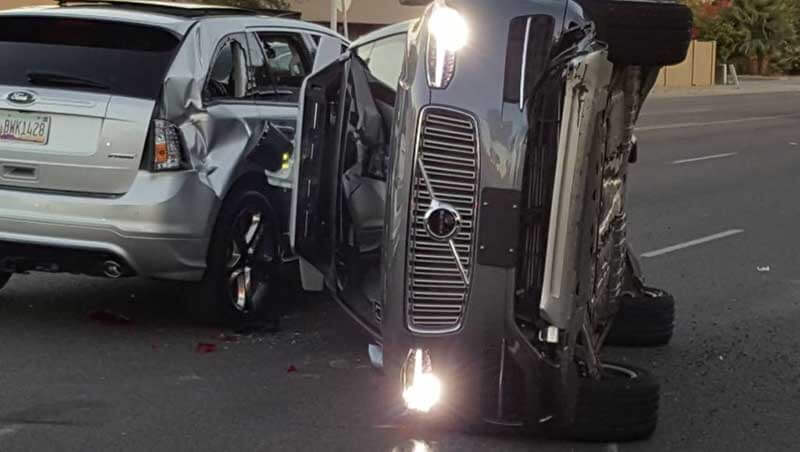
(421, 388)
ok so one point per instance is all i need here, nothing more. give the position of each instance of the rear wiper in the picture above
(52, 79)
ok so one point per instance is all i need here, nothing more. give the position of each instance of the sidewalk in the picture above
(747, 85)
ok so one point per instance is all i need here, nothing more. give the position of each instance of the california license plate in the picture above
(24, 127)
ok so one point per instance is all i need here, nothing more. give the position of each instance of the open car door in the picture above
(316, 180)
(340, 196)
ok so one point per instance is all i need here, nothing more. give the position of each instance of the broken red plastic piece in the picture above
(205, 347)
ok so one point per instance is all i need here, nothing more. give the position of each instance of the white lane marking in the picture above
(677, 112)
(713, 123)
(9, 430)
(707, 157)
(691, 243)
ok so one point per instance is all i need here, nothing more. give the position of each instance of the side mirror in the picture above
(270, 151)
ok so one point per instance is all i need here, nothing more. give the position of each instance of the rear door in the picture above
(76, 101)
(281, 59)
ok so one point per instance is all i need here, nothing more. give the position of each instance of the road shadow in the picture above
(133, 303)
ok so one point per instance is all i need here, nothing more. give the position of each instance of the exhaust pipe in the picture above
(112, 269)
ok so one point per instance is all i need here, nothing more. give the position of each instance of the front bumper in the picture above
(159, 229)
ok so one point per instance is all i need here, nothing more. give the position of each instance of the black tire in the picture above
(4, 277)
(242, 279)
(642, 33)
(621, 406)
(643, 321)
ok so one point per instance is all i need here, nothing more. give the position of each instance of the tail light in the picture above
(168, 152)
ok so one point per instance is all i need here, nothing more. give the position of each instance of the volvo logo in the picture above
(442, 221)
(21, 97)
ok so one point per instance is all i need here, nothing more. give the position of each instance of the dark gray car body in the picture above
(541, 200)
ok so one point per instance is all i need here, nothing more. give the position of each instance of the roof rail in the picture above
(181, 9)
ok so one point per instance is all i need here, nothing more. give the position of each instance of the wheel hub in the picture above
(247, 233)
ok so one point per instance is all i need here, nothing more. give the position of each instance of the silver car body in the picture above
(85, 189)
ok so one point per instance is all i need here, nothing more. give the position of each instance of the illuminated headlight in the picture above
(421, 388)
(447, 34)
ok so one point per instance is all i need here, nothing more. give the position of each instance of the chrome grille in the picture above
(447, 148)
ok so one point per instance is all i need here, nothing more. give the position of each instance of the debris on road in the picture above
(205, 347)
(232, 338)
(291, 369)
(109, 318)
(192, 377)
(258, 329)
(340, 364)
(763, 269)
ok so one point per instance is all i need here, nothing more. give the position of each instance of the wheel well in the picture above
(254, 181)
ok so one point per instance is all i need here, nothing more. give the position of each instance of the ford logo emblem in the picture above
(21, 97)
(442, 221)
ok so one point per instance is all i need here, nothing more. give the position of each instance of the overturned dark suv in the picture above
(464, 202)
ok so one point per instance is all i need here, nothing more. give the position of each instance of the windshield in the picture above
(116, 58)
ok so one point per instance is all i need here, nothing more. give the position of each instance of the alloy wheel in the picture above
(242, 278)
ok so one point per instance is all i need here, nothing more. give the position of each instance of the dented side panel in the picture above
(217, 137)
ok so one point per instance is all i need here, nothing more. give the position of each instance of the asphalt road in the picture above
(70, 380)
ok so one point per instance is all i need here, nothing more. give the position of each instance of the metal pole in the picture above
(735, 76)
(344, 19)
(333, 15)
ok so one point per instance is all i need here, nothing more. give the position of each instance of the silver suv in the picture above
(154, 140)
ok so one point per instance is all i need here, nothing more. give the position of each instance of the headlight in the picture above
(447, 34)
(421, 388)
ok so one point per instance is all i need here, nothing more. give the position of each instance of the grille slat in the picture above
(447, 148)
(431, 246)
(448, 172)
(438, 145)
(444, 257)
(450, 121)
(466, 137)
(441, 307)
(446, 185)
(452, 198)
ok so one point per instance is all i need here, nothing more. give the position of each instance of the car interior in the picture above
(287, 63)
(365, 157)
(228, 77)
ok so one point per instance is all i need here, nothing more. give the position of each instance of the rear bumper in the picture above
(159, 229)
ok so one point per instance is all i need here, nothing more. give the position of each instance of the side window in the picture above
(365, 52)
(312, 44)
(384, 58)
(228, 77)
(280, 63)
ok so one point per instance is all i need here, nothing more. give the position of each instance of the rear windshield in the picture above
(121, 59)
